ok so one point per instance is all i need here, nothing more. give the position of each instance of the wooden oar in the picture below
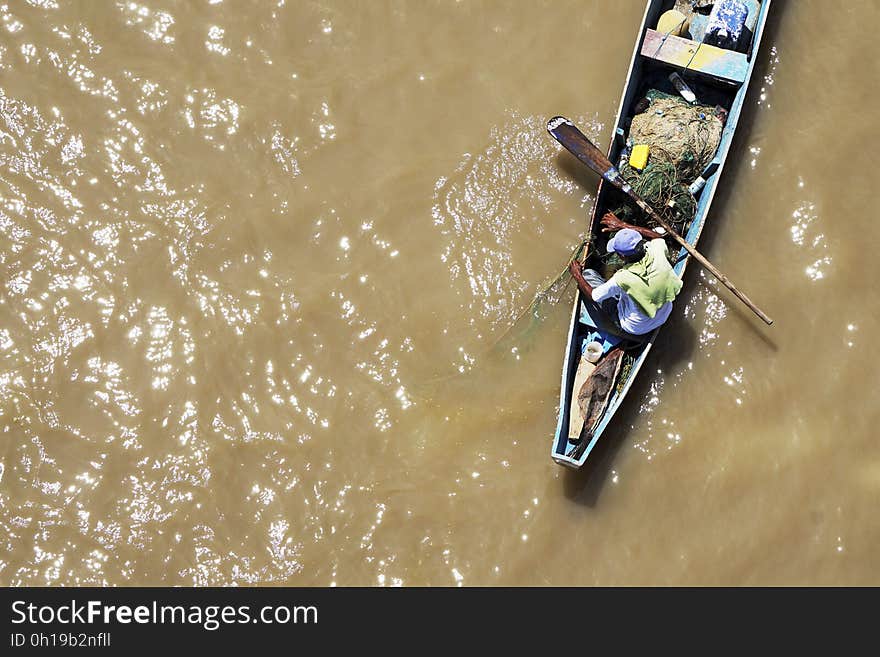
(567, 134)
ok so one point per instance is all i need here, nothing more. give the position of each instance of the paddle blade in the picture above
(577, 143)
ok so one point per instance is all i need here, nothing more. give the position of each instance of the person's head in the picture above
(628, 244)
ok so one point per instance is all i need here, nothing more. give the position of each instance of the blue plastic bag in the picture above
(726, 23)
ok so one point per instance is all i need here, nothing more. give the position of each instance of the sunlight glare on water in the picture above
(255, 269)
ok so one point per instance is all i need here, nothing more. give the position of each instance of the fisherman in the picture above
(638, 297)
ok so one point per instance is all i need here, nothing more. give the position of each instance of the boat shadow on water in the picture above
(674, 345)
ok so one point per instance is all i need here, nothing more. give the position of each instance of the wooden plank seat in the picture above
(700, 58)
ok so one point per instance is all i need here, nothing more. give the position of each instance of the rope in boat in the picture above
(676, 28)
(544, 294)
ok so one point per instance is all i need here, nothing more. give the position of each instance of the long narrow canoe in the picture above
(727, 73)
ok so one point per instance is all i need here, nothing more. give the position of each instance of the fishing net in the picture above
(533, 315)
(609, 264)
(659, 185)
(687, 136)
(683, 139)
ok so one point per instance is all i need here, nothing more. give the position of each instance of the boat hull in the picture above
(563, 451)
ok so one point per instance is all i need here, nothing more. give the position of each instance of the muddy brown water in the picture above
(255, 257)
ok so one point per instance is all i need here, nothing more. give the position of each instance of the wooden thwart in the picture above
(701, 58)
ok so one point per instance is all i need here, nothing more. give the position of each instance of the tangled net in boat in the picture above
(659, 184)
(683, 139)
(687, 136)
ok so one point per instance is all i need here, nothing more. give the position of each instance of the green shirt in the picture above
(650, 282)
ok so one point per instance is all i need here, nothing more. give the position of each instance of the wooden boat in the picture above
(725, 73)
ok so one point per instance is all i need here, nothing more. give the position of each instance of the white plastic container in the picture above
(682, 87)
(697, 185)
(593, 351)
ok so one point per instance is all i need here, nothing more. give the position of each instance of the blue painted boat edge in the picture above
(564, 395)
(634, 58)
(557, 449)
(560, 441)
